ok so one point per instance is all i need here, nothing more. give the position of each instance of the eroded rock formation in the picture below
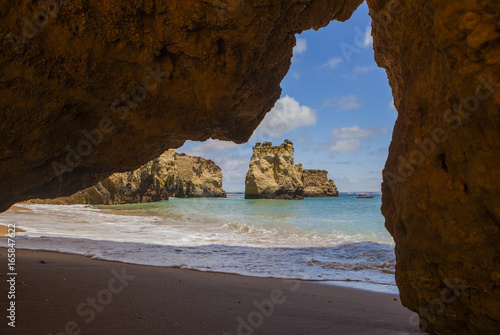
(441, 190)
(171, 174)
(193, 177)
(317, 184)
(273, 174)
(92, 88)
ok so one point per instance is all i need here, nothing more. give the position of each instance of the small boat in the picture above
(364, 196)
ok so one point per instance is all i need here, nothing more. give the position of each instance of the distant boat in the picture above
(364, 196)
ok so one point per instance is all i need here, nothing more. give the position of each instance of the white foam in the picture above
(190, 240)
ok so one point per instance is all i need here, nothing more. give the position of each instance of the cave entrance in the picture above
(337, 109)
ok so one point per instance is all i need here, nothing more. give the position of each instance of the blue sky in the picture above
(336, 107)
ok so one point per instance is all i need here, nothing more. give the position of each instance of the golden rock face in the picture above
(89, 88)
(441, 190)
(317, 184)
(273, 174)
(170, 175)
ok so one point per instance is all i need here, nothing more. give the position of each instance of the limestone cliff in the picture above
(317, 184)
(171, 174)
(90, 88)
(193, 177)
(273, 174)
(441, 190)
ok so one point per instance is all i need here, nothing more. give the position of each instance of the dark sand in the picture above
(176, 301)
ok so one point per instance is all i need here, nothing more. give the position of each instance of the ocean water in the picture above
(339, 241)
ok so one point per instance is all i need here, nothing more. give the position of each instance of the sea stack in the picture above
(170, 175)
(317, 184)
(273, 174)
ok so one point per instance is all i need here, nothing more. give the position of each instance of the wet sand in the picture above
(69, 294)
(4, 230)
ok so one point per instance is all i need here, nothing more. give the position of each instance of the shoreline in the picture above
(57, 292)
(346, 283)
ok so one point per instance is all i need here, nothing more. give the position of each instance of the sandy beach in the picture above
(69, 294)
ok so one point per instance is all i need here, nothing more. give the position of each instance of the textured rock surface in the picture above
(317, 184)
(193, 177)
(441, 191)
(171, 174)
(272, 173)
(103, 87)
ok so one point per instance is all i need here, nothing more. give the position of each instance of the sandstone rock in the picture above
(441, 190)
(194, 177)
(171, 174)
(317, 184)
(273, 174)
(92, 88)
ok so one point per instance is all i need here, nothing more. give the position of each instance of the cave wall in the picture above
(441, 189)
(89, 88)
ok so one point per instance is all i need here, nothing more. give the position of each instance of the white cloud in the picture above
(348, 139)
(355, 132)
(234, 170)
(286, 115)
(333, 63)
(343, 103)
(346, 146)
(365, 69)
(368, 39)
(391, 104)
(214, 145)
(295, 74)
(300, 47)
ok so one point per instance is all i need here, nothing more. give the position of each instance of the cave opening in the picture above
(337, 109)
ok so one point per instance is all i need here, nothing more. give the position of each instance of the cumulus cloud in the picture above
(300, 47)
(333, 63)
(214, 145)
(346, 146)
(391, 104)
(234, 171)
(286, 115)
(348, 139)
(368, 39)
(358, 132)
(295, 74)
(364, 69)
(343, 102)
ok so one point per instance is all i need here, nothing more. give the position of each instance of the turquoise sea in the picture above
(339, 241)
